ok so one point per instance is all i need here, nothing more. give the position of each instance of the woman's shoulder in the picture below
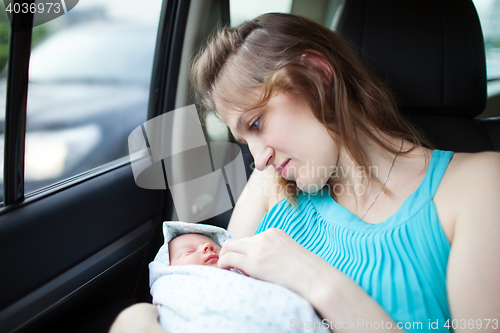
(468, 173)
(470, 182)
(473, 176)
(465, 169)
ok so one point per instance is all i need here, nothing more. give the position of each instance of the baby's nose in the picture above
(208, 247)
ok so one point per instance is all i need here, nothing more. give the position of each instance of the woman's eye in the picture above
(255, 124)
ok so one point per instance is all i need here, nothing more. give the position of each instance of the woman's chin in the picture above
(311, 187)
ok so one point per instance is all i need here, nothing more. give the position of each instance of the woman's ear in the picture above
(315, 59)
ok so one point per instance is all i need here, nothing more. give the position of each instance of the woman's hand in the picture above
(275, 257)
(138, 318)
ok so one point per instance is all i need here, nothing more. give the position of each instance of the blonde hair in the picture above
(265, 55)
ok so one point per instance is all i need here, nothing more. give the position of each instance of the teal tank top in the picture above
(401, 262)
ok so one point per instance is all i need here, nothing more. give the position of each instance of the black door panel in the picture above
(68, 241)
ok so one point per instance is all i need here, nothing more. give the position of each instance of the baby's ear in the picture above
(315, 59)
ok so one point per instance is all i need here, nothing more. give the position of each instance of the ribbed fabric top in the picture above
(401, 262)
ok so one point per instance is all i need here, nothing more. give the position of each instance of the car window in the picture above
(320, 11)
(4, 52)
(489, 12)
(89, 78)
(4, 37)
(241, 10)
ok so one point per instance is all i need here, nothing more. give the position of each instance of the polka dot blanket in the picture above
(196, 298)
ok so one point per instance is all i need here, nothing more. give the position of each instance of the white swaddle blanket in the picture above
(196, 298)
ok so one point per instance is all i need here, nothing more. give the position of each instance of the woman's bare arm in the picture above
(254, 202)
(474, 263)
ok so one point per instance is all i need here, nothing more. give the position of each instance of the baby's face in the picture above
(193, 249)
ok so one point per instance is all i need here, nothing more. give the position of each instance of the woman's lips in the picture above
(282, 169)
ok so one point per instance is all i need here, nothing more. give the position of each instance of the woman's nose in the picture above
(262, 155)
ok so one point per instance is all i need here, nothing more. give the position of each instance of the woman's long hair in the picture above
(242, 67)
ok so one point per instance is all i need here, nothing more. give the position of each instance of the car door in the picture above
(74, 252)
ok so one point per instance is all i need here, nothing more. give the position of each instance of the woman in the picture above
(401, 235)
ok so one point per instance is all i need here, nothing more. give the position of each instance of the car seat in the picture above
(431, 54)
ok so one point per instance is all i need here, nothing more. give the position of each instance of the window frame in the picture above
(16, 104)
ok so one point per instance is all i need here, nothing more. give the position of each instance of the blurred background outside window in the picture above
(489, 14)
(90, 72)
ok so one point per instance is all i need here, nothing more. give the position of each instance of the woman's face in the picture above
(285, 134)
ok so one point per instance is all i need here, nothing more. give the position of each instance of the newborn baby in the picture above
(193, 249)
(193, 295)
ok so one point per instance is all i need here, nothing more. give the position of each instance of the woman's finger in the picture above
(237, 245)
(231, 259)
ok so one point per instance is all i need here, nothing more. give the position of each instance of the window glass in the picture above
(4, 52)
(489, 14)
(90, 72)
(321, 11)
(244, 10)
(4, 39)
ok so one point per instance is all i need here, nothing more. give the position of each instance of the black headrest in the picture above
(430, 52)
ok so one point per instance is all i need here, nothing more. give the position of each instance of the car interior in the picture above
(74, 252)
(436, 67)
